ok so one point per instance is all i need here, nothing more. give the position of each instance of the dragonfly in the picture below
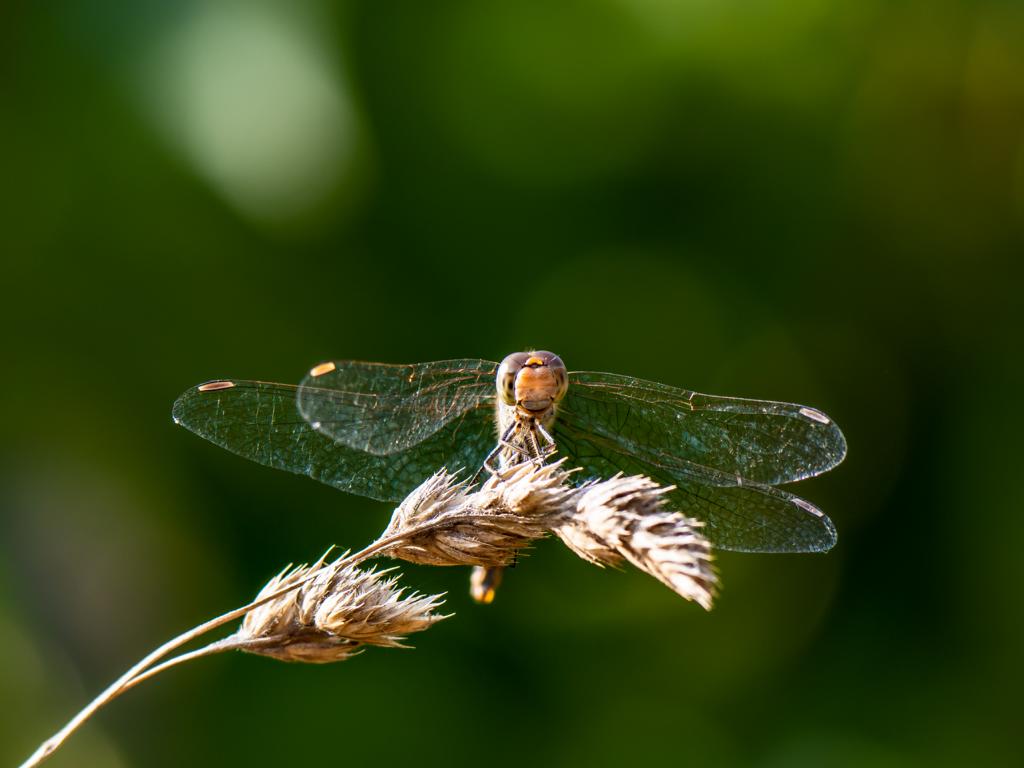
(378, 430)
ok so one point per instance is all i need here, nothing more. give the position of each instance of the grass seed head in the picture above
(623, 519)
(339, 610)
(446, 522)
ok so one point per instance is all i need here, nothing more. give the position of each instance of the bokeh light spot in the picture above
(256, 106)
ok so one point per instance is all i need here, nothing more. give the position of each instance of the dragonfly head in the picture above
(532, 381)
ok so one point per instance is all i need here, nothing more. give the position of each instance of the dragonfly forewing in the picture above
(261, 422)
(716, 440)
(384, 409)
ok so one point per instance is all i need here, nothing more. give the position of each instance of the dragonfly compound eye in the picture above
(506, 378)
(563, 382)
(554, 364)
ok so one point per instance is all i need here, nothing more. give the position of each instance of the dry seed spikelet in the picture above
(335, 613)
(608, 522)
(445, 522)
(622, 519)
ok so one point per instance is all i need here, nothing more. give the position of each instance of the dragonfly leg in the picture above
(489, 461)
(539, 453)
(487, 465)
(525, 453)
(503, 442)
(550, 446)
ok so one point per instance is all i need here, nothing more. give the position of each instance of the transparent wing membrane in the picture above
(261, 421)
(379, 430)
(722, 454)
(721, 440)
(386, 409)
(746, 518)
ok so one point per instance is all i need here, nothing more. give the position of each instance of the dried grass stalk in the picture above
(445, 522)
(622, 519)
(332, 615)
(327, 612)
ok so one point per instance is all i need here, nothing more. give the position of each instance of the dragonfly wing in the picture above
(261, 421)
(751, 517)
(720, 440)
(384, 409)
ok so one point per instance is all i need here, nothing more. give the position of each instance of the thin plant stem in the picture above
(127, 680)
(49, 746)
(229, 643)
(218, 646)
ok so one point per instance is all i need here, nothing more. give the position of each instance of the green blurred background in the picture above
(818, 201)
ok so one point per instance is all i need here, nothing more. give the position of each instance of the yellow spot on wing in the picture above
(212, 386)
(320, 370)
